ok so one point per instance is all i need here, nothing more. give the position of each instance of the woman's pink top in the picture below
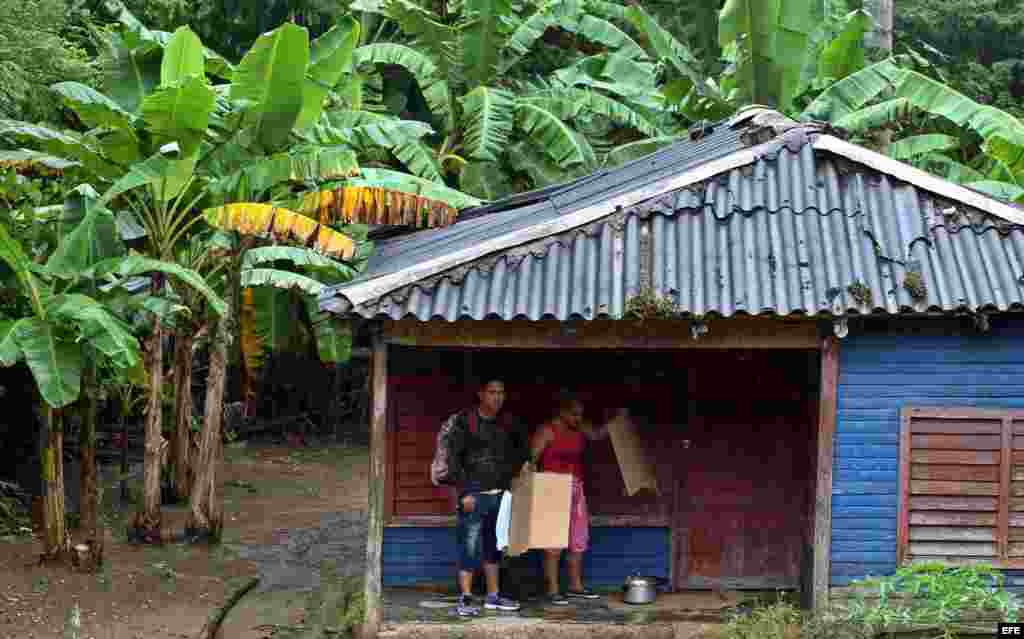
(564, 454)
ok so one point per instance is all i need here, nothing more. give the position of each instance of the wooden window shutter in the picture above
(961, 470)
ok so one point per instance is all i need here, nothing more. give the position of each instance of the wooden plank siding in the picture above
(881, 373)
(951, 511)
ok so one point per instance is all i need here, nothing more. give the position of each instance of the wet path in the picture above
(292, 561)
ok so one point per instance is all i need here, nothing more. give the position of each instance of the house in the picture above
(846, 367)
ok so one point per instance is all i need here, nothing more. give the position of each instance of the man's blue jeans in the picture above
(476, 532)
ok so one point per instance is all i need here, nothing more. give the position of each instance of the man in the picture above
(484, 451)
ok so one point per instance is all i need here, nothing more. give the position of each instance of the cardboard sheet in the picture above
(540, 512)
(635, 462)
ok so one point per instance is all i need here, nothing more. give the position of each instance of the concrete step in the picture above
(520, 628)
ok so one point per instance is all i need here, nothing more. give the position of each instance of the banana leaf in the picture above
(605, 33)
(66, 145)
(333, 336)
(489, 116)
(182, 58)
(283, 225)
(129, 74)
(428, 76)
(845, 53)
(97, 328)
(774, 37)
(382, 196)
(92, 107)
(480, 39)
(554, 13)
(27, 160)
(94, 239)
(923, 144)
(569, 102)
(549, 133)
(269, 82)
(180, 112)
(133, 265)
(295, 255)
(274, 322)
(664, 45)
(55, 361)
(330, 56)
(165, 171)
(257, 277)
(486, 180)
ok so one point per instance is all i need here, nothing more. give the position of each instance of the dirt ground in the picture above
(271, 493)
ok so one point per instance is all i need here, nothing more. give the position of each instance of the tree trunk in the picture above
(203, 523)
(880, 35)
(124, 454)
(55, 537)
(180, 455)
(146, 526)
(93, 537)
(205, 516)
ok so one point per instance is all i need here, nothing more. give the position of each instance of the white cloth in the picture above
(504, 520)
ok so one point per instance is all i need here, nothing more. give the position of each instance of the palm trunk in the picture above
(87, 451)
(205, 518)
(52, 464)
(146, 526)
(180, 458)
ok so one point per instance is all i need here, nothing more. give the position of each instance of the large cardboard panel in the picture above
(540, 512)
(635, 461)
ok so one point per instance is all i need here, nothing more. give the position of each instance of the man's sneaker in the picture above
(586, 593)
(556, 599)
(497, 602)
(465, 607)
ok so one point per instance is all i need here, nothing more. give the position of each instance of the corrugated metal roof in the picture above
(798, 231)
(529, 209)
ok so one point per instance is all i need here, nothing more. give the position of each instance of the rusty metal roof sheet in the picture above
(797, 231)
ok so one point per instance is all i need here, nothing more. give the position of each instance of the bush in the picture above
(925, 595)
(780, 620)
(14, 510)
(938, 596)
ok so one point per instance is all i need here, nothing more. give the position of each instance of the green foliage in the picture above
(941, 597)
(773, 38)
(929, 597)
(35, 52)
(15, 520)
(976, 44)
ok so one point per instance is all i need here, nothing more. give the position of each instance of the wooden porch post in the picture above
(823, 494)
(375, 510)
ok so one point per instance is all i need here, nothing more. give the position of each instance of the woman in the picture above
(557, 447)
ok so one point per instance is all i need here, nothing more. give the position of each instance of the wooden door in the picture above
(742, 488)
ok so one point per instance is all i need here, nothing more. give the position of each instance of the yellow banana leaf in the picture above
(377, 205)
(264, 220)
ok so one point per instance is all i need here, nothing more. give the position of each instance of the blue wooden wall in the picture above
(422, 555)
(878, 375)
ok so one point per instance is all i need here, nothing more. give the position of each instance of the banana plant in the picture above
(496, 123)
(893, 94)
(70, 329)
(261, 122)
(281, 282)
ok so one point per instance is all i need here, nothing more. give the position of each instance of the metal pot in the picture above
(640, 590)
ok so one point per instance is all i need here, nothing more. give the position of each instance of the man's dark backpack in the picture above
(440, 467)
